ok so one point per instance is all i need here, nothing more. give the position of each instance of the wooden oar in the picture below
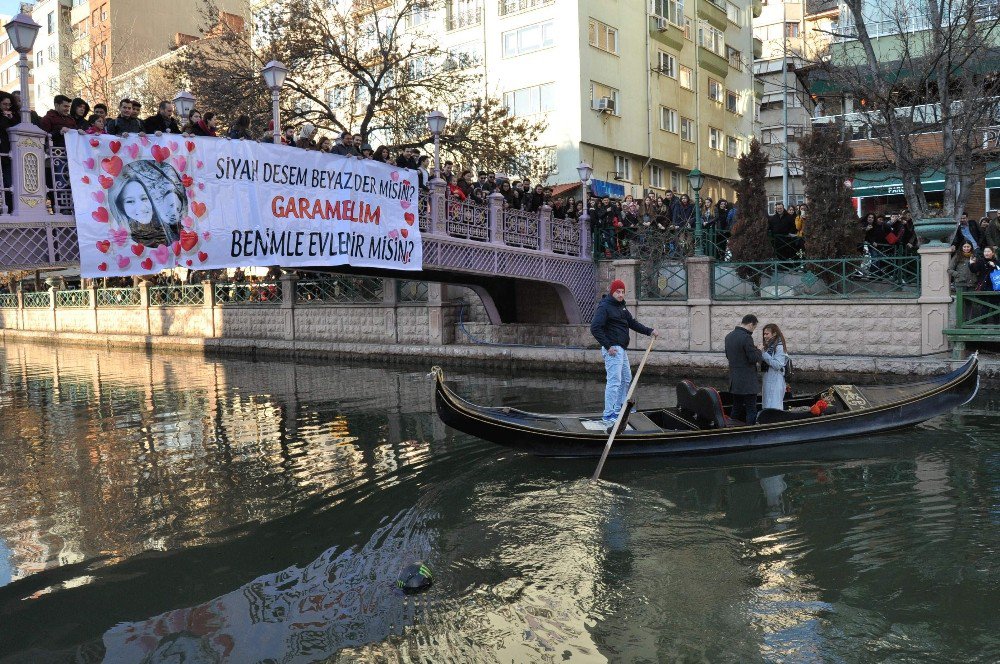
(621, 413)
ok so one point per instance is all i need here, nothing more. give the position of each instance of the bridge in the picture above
(526, 267)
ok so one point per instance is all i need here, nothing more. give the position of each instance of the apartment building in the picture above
(52, 61)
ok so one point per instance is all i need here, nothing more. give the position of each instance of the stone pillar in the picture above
(143, 287)
(699, 301)
(545, 228)
(288, 285)
(93, 307)
(20, 308)
(584, 236)
(935, 297)
(435, 220)
(52, 308)
(496, 217)
(389, 301)
(625, 269)
(208, 303)
(437, 294)
(27, 154)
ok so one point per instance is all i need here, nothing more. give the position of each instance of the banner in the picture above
(148, 203)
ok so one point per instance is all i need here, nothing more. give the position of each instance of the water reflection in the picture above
(168, 507)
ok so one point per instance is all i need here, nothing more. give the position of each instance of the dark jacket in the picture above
(982, 268)
(781, 224)
(155, 123)
(744, 358)
(612, 322)
(960, 236)
(683, 215)
(53, 123)
(120, 126)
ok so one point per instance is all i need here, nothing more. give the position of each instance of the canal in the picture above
(162, 507)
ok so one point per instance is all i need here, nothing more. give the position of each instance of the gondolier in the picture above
(610, 327)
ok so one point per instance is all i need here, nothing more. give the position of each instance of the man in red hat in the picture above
(610, 327)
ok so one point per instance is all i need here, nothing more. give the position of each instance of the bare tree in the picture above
(98, 75)
(918, 72)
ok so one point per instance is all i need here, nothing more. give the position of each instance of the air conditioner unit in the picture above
(661, 24)
(617, 176)
(606, 105)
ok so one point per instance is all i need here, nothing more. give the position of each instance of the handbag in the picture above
(995, 278)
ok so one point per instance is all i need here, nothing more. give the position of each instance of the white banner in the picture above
(148, 203)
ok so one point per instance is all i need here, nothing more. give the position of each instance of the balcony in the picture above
(926, 118)
(507, 7)
(464, 19)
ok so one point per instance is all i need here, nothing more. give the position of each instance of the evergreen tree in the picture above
(749, 240)
(832, 229)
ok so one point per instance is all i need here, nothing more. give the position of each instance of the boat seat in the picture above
(686, 392)
(704, 404)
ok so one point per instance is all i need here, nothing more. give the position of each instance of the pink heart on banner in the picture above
(207, 235)
(97, 196)
(120, 236)
(123, 262)
(173, 146)
(187, 222)
(393, 234)
(133, 150)
(161, 254)
(89, 162)
(144, 140)
(405, 205)
(181, 163)
(199, 163)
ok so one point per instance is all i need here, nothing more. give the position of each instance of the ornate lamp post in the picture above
(183, 103)
(696, 180)
(436, 122)
(22, 32)
(585, 170)
(274, 76)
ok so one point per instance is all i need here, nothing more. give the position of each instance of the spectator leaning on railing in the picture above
(164, 120)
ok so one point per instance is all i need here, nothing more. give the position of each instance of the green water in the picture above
(172, 508)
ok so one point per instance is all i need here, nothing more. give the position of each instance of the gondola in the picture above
(700, 423)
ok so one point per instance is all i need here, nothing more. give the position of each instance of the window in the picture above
(712, 38)
(672, 10)
(418, 67)
(548, 161)
(714, 139)
(603, 36)
(732, 146)
(623, 166)
(528, 39)
(791, 30)
(668, 119)
(104, 12)
(656, 176)
(735, 58)
(464, 56)
(734, 13)
(336, 97)
(714, 90)
(793, 100)
(104, 49)
(39, 58)
(531, 101)
(667, 64)
(687, 28)
(418, 16)
(686, 77)
(732, 101)
(50, 21)
(793, 199)
(675, 181)
(599, 91)
(94, 18)
(687, 130)
(52, 51)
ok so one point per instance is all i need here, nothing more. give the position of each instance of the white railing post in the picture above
(27, 155)
(545, 228)
(584, 235)
(435, 221)
(495, 214)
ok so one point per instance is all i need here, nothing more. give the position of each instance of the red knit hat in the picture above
(616, 284)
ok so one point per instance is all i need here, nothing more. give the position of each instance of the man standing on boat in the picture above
(744, 358)
(610, 327)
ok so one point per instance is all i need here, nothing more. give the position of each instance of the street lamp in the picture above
(696, 179)
(274, 76)
(436, 121)
(22, 32)
(585, 170)
(184, 103)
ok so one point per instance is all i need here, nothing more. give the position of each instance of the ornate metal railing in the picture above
(256, 293)
(118, 297)
(464, 19)
(514, 6)
(424, 211)
(73, 298)
(176, 296)
(520, 229)
(8, 300)
(342, 289)
(840, 278)
(467, 220)
(565, 234)
(36, 300)
(411, 291)
(57, 172)
(663, 279)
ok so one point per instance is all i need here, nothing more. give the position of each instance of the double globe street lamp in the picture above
(21, 31)
(274, 74)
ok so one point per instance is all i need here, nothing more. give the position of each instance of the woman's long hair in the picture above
(778, 338)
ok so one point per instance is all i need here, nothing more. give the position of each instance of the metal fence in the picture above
(863, 276)
(118, 297)
(520, 229)
(73, 298)
(8, 300)
(176, 296)
(36, 300)
(256, 293)
(565, 234)
(467, 220)
(977, 310)
(411, 291)
(341, 289)
(662, 280)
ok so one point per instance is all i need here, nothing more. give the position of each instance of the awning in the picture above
(603, 188)
(890, 183)
(993, 175)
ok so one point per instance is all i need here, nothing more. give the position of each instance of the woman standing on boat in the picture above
(775, 359)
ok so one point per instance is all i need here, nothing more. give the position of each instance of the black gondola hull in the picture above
(510, 428)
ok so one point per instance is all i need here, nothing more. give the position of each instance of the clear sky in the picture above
(9, 7)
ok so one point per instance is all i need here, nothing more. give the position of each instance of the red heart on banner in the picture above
(94, 143)
(103, 267)
(406, 182)
(103, 246)
(176, 248)
(112, 165)
(106, 182)
(198, 208)
(160, 154)
(404, 232)
(85, 179)
(189, 262)
(408, 216)
(187, 181)
(147, 264)
(115, 146)
(100, 214)
(188, 240)
(189, 145)
(137, 249)
(202, 256)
